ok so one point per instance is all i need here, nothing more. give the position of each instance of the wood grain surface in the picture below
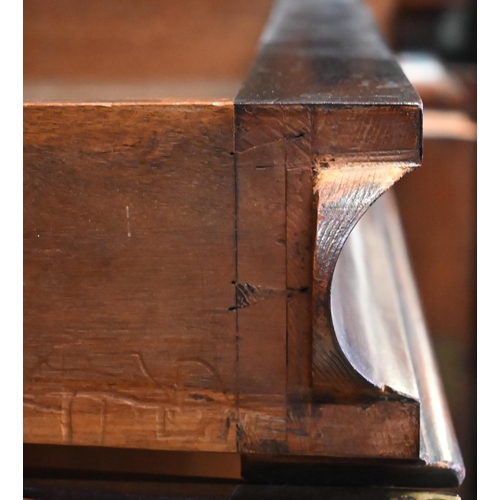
(128, 268)
(179, 255)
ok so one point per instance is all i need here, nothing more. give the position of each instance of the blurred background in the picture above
(436, 44)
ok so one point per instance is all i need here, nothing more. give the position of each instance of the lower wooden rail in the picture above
(44, 489)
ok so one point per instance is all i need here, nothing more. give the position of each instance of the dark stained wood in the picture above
(330, 111)
(320, 471)
(329, 429)
(318, 101)
(304, 61)
(173, 490)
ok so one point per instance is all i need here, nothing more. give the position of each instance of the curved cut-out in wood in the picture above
(343, 193)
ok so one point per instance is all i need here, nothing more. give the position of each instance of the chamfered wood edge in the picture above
(344, 365)
(439, 451)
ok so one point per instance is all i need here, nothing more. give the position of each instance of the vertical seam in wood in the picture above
(237, 338)
(285, 166)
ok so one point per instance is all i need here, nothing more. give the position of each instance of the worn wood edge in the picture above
(381, 429)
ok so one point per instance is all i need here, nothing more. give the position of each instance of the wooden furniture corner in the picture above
(213, 272)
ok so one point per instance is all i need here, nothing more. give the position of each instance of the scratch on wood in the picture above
(66, 425)
(173, 407)
(40, 407)
(169, 418)
(143, 369)
(129, 234)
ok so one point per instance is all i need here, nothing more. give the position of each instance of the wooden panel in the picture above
(140, 40)
(128, 269)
